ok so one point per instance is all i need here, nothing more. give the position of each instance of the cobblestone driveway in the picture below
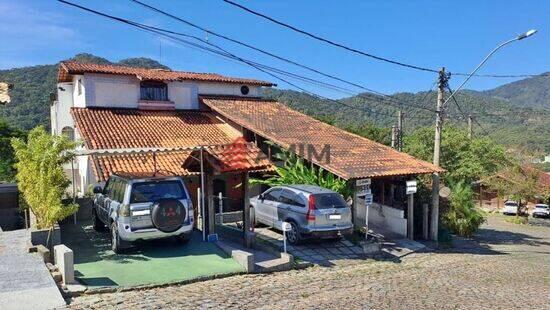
(509, 267)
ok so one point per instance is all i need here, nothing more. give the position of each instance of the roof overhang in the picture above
(351, 156)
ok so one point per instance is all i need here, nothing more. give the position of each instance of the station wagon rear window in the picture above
(328, 201)
(154, 190)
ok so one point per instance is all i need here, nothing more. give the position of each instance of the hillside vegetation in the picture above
(30, 104)
(530, 92)
(519, 117)
(523, 128)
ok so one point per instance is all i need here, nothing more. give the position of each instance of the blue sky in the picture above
(454, 34)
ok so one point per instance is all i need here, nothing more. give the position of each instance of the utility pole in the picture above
(400, 130)
(469, 126)
(442, 84)
(393, 136)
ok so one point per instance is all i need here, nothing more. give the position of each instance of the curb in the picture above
(103, 290)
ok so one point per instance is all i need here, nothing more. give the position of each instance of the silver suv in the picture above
(312, 211)
(142, 209)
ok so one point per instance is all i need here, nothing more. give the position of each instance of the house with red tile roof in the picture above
(156, 121)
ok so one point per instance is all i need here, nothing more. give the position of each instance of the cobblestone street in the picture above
(508, 267)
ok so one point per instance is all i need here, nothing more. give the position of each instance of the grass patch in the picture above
(520, 220)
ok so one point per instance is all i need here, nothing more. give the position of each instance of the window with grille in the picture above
(153, 91)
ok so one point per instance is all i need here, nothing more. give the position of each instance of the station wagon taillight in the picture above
(310, 215)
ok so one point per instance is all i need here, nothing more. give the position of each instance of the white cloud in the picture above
(26, 28)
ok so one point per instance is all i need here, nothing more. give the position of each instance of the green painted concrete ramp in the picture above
(153, 262)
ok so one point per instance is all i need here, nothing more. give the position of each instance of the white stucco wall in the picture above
(116, 91)
(382, 218)
(227, 89)
(79, 100)
(119, 91)
(184, 95)
(60, 110)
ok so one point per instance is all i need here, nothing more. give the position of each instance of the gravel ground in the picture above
(507, 266)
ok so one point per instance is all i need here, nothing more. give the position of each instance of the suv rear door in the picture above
(331, 210)
(291, 206)
(144, 193)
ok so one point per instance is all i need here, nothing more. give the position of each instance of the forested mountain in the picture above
(524, 128)
(530, 92)
(519, 117)
(32, 87)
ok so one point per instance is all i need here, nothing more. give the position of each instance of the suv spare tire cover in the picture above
(168, 215)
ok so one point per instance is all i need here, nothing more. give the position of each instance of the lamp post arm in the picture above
(478, 67)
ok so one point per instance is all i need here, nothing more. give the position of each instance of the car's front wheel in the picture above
(293, 235)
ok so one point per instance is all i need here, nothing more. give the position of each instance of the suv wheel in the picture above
(293, 235)
(116, 243)
(98, 225)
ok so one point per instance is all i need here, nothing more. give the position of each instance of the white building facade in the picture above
(129, 90)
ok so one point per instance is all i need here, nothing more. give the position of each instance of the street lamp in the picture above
(518, 38)
(438, 127)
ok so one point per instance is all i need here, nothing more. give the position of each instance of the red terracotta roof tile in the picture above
(68, 68)
(351, 156)
(103, 128)
(237, 156)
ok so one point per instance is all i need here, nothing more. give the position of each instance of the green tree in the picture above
(463, 218)
(464, 159)
(40, 175)
(294, 171)
(517, 183)
(7, 160)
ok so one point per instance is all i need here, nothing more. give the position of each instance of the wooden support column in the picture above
(410, 216)
(249, 235)
(392, 194)
(425, 221)
(383, 191)
(209, 192)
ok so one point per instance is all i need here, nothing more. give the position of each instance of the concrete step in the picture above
(277, 264)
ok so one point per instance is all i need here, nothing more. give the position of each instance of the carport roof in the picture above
(105, 128)
(351, 156)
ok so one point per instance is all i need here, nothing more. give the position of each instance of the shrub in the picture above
(40, 175)
(463, 218)
(518, 219)
(294, 171)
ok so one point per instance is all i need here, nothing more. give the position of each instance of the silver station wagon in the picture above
(312, 211)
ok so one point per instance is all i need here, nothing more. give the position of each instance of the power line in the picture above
(209, 31)
(503, 75)
(317, 37)
(363, 53)
(225, 53)
(464, 114)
